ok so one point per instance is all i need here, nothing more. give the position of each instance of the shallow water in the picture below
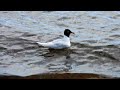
(95, 45)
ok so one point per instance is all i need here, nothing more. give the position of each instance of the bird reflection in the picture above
(58, 53)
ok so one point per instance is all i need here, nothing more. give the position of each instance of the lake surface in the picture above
(95, 45)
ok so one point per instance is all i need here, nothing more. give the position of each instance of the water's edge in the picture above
(62, 76)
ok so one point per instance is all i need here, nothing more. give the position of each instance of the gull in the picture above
(58, 43)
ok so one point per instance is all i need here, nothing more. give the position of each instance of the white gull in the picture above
(58, 43)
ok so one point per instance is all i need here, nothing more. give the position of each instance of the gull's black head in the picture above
(67, 32)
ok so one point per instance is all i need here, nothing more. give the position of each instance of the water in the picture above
(95, 45)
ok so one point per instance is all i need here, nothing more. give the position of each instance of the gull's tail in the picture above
(42, 44)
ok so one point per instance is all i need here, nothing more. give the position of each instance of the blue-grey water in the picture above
(95, 45)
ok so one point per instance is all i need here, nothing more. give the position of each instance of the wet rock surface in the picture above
(61, 76)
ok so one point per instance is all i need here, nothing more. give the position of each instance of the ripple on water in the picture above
(95, 47)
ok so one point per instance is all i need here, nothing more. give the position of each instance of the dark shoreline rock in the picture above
(61, 76)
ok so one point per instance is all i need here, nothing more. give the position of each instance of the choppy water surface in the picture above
(95, 45)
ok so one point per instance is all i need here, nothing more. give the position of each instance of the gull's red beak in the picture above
(72, 33)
